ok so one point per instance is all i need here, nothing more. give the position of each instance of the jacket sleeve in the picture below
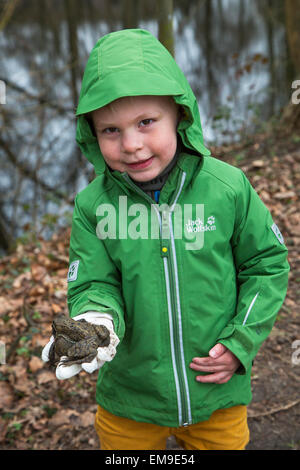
(262, 268)
(94, 282)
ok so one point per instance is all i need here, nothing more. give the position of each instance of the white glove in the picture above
(104, 354)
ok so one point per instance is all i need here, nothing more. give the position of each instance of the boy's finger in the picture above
(207, 367)
(202, 360)
(218, 377)
(215, 353)
(208, 361)
(217, 350)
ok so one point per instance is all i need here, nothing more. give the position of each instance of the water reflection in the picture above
(233, 53)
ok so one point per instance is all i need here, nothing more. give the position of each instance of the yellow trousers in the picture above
(226, 429)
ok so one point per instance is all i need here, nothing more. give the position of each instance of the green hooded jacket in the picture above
(207, 264)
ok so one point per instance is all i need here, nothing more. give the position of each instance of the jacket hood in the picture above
(133, 62)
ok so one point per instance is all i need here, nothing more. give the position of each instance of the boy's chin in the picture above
(146, 175)
(143, 178)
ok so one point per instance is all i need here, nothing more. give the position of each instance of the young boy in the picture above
(173, 251)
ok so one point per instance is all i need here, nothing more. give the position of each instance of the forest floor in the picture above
(40, 412)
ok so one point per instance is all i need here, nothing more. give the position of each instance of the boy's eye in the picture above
(113, 130)
(146, 122)
(110, 130)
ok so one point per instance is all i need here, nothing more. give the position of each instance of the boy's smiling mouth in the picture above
(139, 165)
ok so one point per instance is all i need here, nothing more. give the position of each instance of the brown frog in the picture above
(78, 340)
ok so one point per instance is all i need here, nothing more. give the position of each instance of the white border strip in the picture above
(250, 308)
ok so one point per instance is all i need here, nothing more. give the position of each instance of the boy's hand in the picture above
(104, 354)
(220, 365)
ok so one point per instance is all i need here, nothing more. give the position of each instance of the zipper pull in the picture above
(164, 250)
(165, 234)
(165, 225)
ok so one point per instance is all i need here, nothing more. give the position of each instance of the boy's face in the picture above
(137, 135)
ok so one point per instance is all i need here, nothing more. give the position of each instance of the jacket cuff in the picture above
(93, 303)
(97, 318)
(235, 338)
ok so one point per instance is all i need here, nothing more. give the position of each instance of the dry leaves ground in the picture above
(39, 412)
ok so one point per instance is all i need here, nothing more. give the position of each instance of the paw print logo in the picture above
(211, 220)
(72, 270)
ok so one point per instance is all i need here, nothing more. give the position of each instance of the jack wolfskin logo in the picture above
(73, 270)
(198, 225)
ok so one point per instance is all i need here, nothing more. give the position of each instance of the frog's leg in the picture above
(83, 349)
(89, 358)
(71, 361)
(103, 335)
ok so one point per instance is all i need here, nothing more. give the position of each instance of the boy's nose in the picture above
(131, 142)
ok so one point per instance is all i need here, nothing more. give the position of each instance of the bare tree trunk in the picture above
(5, 237)
(165, 24)
(270, 41)
(208, 30)
(73, 47)
(74, 64)
(8, 12)
(292, 20)
(130, 13)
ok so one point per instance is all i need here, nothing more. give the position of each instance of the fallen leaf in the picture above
(3, 429)
(7, 306)
(38, 272)
(6, 395)
(19, 280)
(87, 419)
(284, 195)
(35, 364)
(258, 164)
(62, 417)
(46, 376)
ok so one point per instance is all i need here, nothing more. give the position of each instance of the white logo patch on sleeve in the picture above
(73, 270)
(277, 233)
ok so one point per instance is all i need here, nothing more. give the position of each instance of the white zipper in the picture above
(180, 321)
(166, 269)
(179, 314)
(172, 340)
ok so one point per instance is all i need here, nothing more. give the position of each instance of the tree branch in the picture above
(41, 99)
(29, 173)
